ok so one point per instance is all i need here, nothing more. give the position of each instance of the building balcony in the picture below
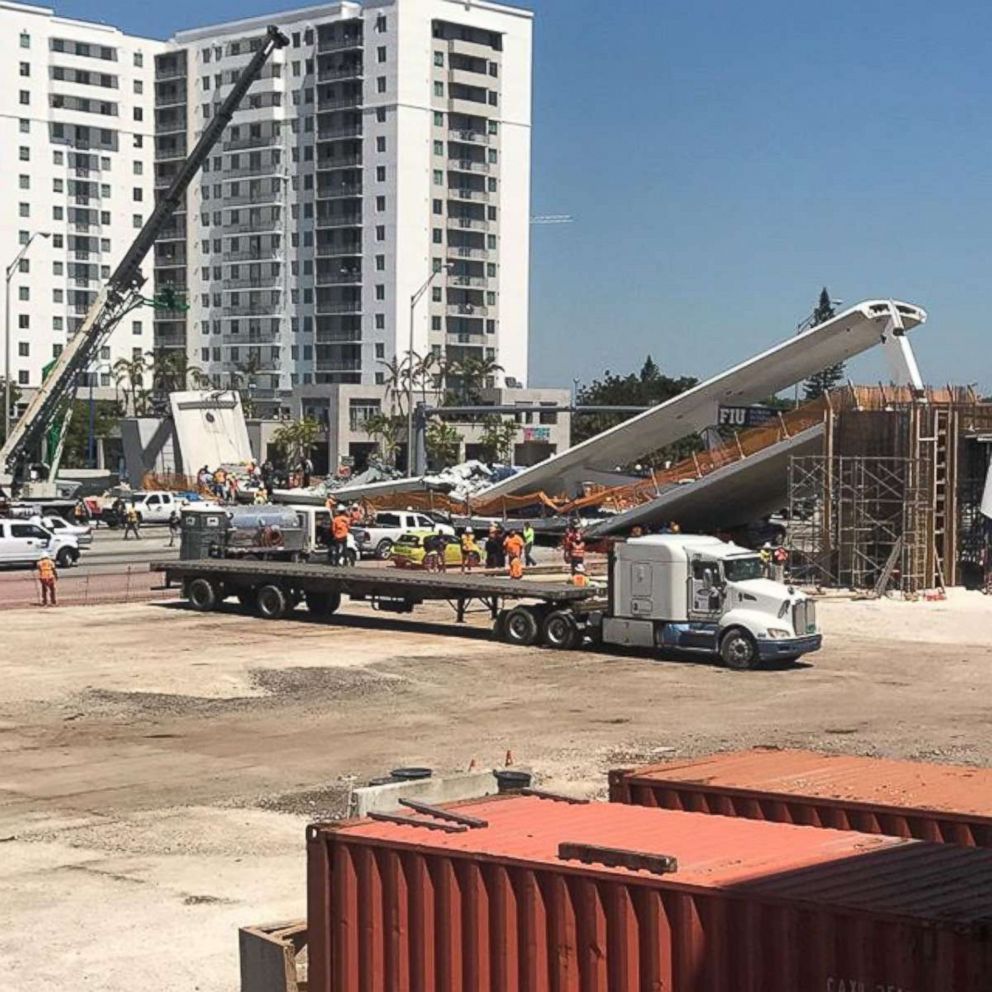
(351, 277)
(262, 171)
(355, 71)
(339, 103)
(251, 338)
(471, 108)
(479, 282)
(479, 78)
(473, 49)
(468, 223)
(351, 306)
(466, 310)
(344, 162)
(261, 225)
(335, 133)
(338, 190)
(253, 310)
(468, 165)
(261, 255)
(339, 250)
(263, 198)
(261, 141)
(340, 220)
(463, 251)
(340, 44)
(472, 195)
(262, 282)
(470, 136)
(176, 72)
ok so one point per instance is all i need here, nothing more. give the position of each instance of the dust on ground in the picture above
(158, 766)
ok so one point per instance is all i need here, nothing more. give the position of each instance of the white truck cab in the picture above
(700, 593)
(23, 542)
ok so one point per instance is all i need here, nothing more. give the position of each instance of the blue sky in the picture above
(723, 161)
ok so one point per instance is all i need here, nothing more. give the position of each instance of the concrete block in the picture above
(451, 788)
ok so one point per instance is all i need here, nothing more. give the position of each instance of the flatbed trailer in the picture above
(557, 613)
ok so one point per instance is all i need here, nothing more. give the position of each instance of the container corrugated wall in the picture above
(414, 919)
(709, 786)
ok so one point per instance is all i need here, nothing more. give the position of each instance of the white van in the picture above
(23, 542)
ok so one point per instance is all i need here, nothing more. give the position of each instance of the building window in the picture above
(24, 125)
(437, 294)
(438, 147)
(380, 173)
(139, 86)
(438, 206)
(380, 203)
(493, 127)
(491, 184)
(24, 182)
(438, 88)
(435, 323)
(23, 321)
(380, 114)
(438, 177)
(380, 263)
(380, 291)
(139, 59)
(25, 40)
(380, 53)
(380, 84)
(438, 236)
(137, 194)
(24, 209)
(138, 168)
(380, 143)
(136, 220)
(493, 156)
(380, 321)
(25, 68)
(136, 327)
(380, 24)
(25, 97)
(380, 232)
(23, 293)
(380, 350)
(22, 378)
(139, 114)
(439, 58)
(438, 118)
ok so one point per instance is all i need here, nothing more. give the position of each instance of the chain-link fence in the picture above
(129, 584)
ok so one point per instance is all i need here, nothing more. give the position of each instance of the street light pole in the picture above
(8, 275)
(409, 358)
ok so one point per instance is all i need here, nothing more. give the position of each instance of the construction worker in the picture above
(470, 550)
(765, 554)
(577, 553)
(516, 568)
(173, 528)
(261, 496)
(779, 559)
(513, 545)
(132, 522)
(47, 578)
(340, 528)
(529, 545)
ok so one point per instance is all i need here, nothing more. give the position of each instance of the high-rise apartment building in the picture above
(389, 144)
(76, 161)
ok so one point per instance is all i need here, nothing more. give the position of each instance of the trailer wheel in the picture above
(520, 626)
(559, 631)
(202, 595)
(273, 603)
(738, 649)
(323, 604)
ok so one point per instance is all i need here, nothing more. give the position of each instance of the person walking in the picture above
(528, 535)
(173, 528)
(81, 513)
(47, 578)
(493, 546)
(132, 523)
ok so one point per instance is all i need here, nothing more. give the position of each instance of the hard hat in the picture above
(468, 530)
(580, 567)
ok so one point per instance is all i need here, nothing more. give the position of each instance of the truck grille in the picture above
(804, 618)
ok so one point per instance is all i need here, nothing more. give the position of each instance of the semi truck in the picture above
(664, 592)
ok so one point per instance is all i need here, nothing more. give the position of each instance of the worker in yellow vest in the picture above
(47, 578)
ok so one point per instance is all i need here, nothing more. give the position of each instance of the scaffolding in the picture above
(862, 522)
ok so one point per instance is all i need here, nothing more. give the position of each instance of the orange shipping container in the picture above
(532, 894)
(947, 804)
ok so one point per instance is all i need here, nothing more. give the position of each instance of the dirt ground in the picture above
(158, 766)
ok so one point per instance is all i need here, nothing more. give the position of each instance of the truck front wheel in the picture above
(273, 604)
(202, 595)
(559, 631)
(520, 626)
(738, 649)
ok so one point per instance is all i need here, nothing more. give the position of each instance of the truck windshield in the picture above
(741, 569)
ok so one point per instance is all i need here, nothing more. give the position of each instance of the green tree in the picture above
(647, 387)
(833, 375)
(243, 380)
(469, 377)
(172, 371)
(386, 430)
(106, 420)
(396, 378)
(297, 439)
(496, 439)
(443, 444)
(129, 374)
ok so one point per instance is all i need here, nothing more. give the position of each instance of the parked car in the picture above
(409, 552)
(23, 542)
(377, 539)
(83, 533)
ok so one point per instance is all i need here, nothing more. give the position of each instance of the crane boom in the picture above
(120, 295)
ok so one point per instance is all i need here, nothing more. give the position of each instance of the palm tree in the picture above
(172, 370)
(243, 380)
(396, 377)
(132, 372)
(297, 438)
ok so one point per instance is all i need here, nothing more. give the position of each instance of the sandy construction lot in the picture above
(158, 766)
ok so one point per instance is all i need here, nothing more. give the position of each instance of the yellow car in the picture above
(408, 552)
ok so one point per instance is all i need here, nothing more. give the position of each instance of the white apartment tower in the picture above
(389, 141)
(76, 157)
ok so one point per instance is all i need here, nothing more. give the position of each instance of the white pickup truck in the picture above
(377, 539)
(23, 542)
